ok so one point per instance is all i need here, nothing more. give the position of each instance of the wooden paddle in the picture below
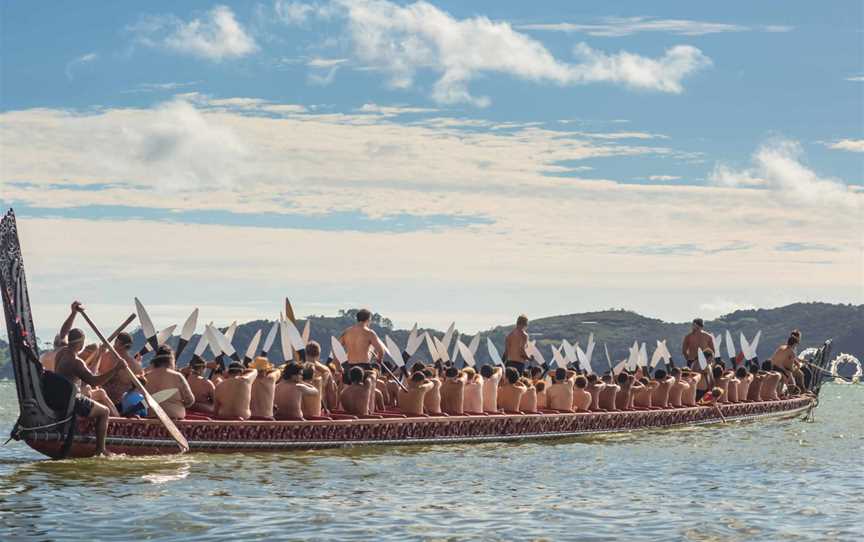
(111, 338)
(152, 404)
(289, 313)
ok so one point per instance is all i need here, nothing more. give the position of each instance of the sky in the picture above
(434, 161)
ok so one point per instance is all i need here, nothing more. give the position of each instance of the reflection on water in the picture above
(771, 480)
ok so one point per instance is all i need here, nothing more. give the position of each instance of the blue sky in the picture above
(436, 160)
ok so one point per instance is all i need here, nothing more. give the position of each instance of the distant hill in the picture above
(615, 328)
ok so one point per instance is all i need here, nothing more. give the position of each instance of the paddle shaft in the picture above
(111, 338)
(393, 376)
(829, 373)
(154, 406)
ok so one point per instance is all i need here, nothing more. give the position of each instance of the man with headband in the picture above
(69, 365)
(163, 376)
(119, 384)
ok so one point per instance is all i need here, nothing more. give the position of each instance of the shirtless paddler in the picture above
(516, 345)
(361, 343)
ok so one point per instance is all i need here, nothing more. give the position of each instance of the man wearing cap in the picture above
(69, 365)
(117, 386)
(163, 376)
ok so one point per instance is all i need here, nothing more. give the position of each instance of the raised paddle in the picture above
(111, 337)
(152, 404)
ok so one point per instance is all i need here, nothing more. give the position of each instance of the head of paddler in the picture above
(417, 366)
(766, 365)
(418, 377)
(535, 372)
(308, 372)
(313, 351)
(292, 372)
(794, 338)
(559, 375)
(486, 371)
(452, 372)
(428, 373)
(741, 372)
(356, 375)
(592, 379)
(235, 369)
(717, 392)
(581, 381)
(364, 316)
(75, 339)
(123, 342)
(676, 372)
(717, 372)
(470, 373)
(540, 386)
(197, 365)
(659, 374)
(512, 375)
(698, 325)
(622, 378)
(522, 321)
(164, 357)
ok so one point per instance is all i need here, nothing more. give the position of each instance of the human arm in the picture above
(377, 345)
(67, 324)
(186, 395)
(83, 373)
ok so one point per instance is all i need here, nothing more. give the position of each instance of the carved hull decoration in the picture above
(148, 437)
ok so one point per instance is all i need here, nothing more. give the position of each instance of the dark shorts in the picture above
(518, 365)
(83, 406)
(365, 366)
(700, 393)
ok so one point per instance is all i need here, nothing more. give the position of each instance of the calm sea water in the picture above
(786, 480)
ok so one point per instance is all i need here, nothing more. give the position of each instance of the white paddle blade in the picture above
(338, 350)
(190, 325)
(448, 336)
(589, 350)
(294, 336)
(146, 323)
(730, 346)
(667, 355)
(232, 329)
(163, 395)
(442, 350)
(493, 352)
(212, 340)
(394, 351)
(643, 355)
(454, 356)
(412, 335)
(581, 357)
(252, 350)
(202, 344)
(414, 342)
(430, 346)
(285, 340)
(569, 351)
(474, 344)
(745, 348)
(307, 331)
(557, 358)
(165, 334)
(271, 337)
(619, 367)
(717, 340)
(754, 344)
(656, 356)
(608, 359)
(467, 355)
(703, 363)
(535, 353)
(224, 343)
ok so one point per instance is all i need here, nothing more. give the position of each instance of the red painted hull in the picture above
(148, 437)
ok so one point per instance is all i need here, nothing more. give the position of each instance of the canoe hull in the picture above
(147, 437)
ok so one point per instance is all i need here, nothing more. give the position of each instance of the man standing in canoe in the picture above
(697, 339)
(360, 341)
(516, 346)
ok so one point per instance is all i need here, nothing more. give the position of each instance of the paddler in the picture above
(360, 341)
(697, 339)
(516, 346)
(119, 385)
(785, 360)
(68, 364)
(163, 376)
(263, 389)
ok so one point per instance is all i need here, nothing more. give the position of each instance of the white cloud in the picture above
(856, 78)
(778, 167)
(720, 307)
(664, 177)
(76, 62)
(216, 36)
(160, 87)
(851, 145)
(626, 26)
(298, 13)
(404, 40)
(325, 62)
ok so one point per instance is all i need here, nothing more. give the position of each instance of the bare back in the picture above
(359, 342)
(515, 345)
